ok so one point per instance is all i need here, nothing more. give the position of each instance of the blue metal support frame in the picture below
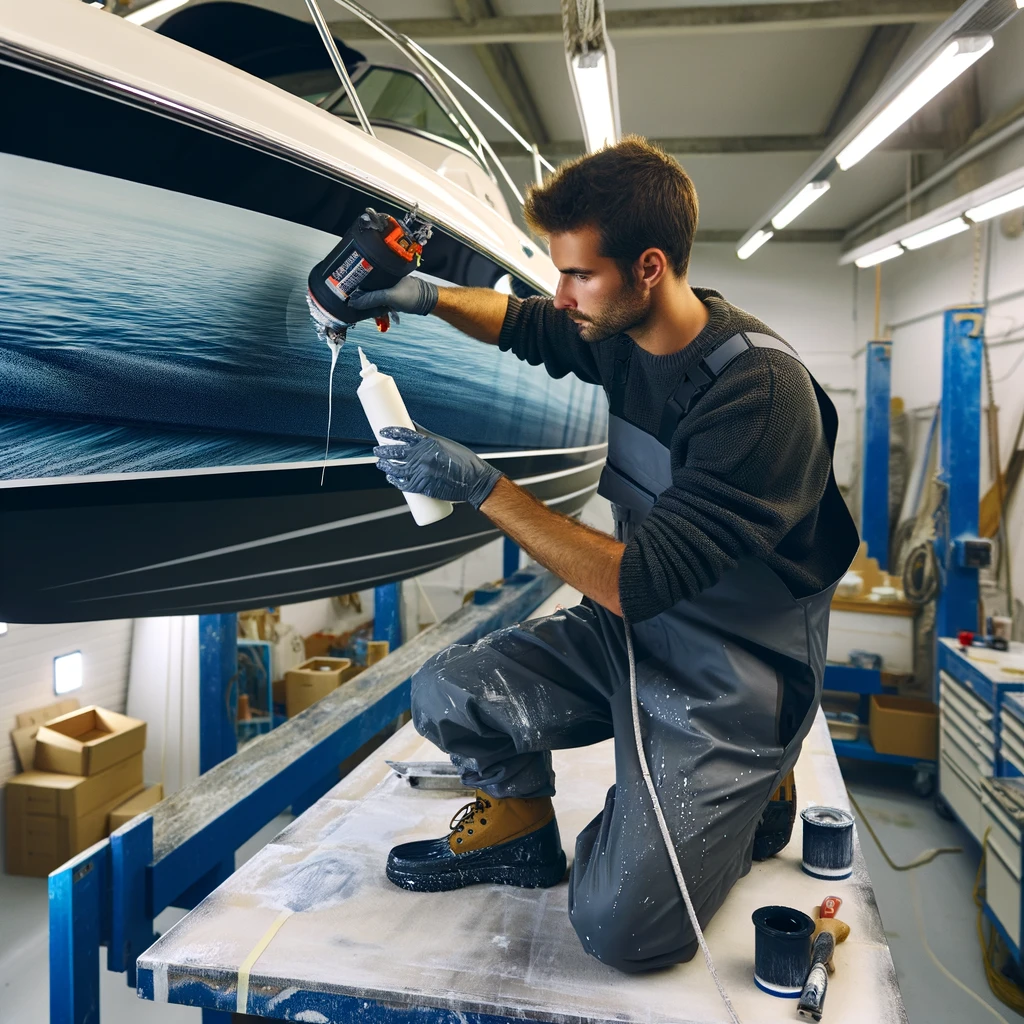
(387, 614)
(874, 503)
(110, 894)
(218, 699)
(509, 558)
(959, 466)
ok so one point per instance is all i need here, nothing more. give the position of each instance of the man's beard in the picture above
(628, 310)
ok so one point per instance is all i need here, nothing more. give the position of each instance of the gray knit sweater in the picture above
(750, 462)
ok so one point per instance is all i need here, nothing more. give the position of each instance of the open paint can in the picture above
(782, 950)
(828, 842)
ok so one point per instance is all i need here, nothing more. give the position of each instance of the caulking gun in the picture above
(376, 252)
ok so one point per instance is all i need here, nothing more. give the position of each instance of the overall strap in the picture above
(700, 377)
(620, 371)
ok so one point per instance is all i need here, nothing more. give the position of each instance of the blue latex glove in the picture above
(410, 295)
(435, 466)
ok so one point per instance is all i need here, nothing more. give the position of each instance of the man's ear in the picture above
(652, 266)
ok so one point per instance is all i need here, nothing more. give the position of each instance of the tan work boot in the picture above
(510, 841)
(776, 824)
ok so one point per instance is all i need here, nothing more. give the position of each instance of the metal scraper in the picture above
(429, 774)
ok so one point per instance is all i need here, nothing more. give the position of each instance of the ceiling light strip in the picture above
(953, 27)
(1003, 195)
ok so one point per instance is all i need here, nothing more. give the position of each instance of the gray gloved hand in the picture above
(410, 295)
(435, 466)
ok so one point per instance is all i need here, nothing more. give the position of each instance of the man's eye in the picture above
(582, 277)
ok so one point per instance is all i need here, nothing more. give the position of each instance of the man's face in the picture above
(591, 287)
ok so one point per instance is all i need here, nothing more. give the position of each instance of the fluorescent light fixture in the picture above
(592, 79)
(753, 243)
(936, 234)
(154, 10)
(890, 252)
(995, 207)
(67, 672)
(952, 62)
(808, 194)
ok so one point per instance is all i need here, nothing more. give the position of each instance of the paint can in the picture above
(782, 950)
(828, 842)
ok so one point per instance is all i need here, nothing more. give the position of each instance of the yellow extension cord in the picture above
(1002, 987)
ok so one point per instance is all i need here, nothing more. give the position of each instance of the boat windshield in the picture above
(391, 96)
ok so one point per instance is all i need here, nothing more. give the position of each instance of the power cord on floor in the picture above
(916, 904)
(926, 858)
(1002, 987)
(918, 862)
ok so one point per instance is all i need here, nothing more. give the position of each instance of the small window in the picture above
(391, 96)
(67, 672)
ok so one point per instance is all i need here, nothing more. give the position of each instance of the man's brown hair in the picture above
(633, 193)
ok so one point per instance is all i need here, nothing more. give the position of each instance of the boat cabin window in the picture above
(391, 96)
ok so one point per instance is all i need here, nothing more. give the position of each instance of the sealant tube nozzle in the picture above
(366, 367)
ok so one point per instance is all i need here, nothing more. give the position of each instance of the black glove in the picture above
(410, 295)
(435, 466)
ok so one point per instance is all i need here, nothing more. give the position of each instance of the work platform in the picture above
(311, 930)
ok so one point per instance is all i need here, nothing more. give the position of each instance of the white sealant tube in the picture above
(383, 405)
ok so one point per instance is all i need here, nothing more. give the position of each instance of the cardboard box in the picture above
(311, 680)
(38, 844)
(140, 802)
(906, 726)
(50, 816)
(88, 741)
(27, 725)
(40, 716)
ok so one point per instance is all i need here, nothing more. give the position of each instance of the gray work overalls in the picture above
(728, 685)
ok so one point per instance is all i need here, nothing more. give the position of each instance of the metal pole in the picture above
(959, 466)
(218, 672)
(538, 171)
(339, 65)
(874, 503)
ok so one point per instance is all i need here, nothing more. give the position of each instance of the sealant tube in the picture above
(378, 394)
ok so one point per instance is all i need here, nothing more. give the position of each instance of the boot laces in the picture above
(466, 815)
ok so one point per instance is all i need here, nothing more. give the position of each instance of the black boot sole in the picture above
(524, 876)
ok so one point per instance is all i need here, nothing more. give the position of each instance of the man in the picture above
(730, 538)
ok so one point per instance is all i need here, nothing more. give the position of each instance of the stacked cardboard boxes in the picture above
(86, 764)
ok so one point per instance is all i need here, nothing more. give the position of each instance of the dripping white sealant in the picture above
(335, 347)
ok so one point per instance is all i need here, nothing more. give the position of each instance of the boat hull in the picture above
(164, 396)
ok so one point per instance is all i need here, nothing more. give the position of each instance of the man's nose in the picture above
(563, 296)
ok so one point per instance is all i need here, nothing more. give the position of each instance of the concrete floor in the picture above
(906, 825)
(941, 890)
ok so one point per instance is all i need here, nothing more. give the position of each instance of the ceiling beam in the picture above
(503, 71)
(546, 28)
(876, 60)
(718, 144)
